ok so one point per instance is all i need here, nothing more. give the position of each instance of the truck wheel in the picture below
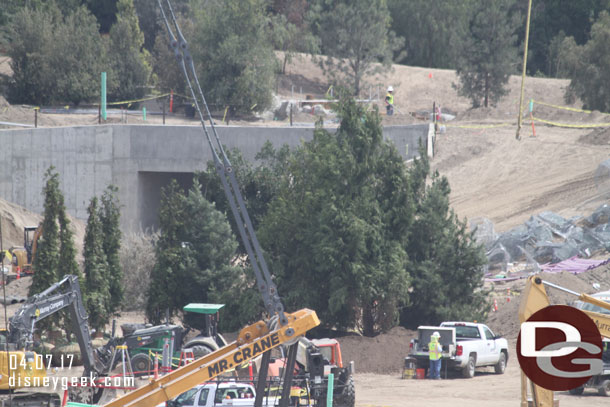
(468, 370)
(349, 399)
(200, 350)
(577, 391)
(501, 365)
(604, 388)
(141, 364)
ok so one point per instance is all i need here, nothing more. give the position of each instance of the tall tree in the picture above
(590, 67)
(54, 58)
(96, 270)
(104, 11)
(446, 261)
(334, 232)
(356, 39)
(291, 39)
(46, 261)
(67, 251)
(433, 30)
(129, 62)
(489, 53)
(233, 56)
(110, 215)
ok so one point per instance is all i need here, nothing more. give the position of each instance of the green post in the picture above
(144, 113)
(329, 392)
(72, 404)
(531, 105)
(103, 101)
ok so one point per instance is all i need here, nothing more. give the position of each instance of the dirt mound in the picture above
(599, 137)
(382, 354)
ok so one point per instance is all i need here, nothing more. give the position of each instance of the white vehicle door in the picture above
(492, 353)
(203, 399)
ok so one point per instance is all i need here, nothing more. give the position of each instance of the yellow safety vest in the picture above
(433, 350)
(389, 98)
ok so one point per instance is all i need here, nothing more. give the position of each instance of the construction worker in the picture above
(434, 350)
(389, 101)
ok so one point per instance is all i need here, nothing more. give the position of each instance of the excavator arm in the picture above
(534, 299)
(65, 293)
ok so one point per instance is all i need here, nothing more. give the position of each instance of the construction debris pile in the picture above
(544, 238)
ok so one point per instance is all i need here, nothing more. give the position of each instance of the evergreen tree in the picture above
(96, 271)
(334, 233)
(489, 52)
(590, 66)
(110, 218)
(446, 262)
(46, 261)
(130, 69)
(67, 251)
(232, 54)
(356, 38)
(166, 277)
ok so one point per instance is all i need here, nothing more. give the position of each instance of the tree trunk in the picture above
(486, 90)
(368, 321)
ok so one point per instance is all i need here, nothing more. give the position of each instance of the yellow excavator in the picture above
(534, 299)
(23, 257)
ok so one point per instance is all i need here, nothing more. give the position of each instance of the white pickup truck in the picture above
(216, 395)
(466, 346)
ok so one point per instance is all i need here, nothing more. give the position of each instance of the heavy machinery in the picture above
(19, 339)
(280, 328)
(23, 257)
(534, 299)
(143, 341)
(319, 357)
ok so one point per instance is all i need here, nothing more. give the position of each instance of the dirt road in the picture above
(484, 390)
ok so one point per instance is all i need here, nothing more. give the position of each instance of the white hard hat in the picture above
(390, 88)
(436, 334)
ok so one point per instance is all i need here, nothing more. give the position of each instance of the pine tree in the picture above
(110, 218)
(67, 251)
(46, 261)
(96, 275)
(489, 52)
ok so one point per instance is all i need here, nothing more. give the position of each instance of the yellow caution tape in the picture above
(574, 126)
(129, 102)
(571, 109)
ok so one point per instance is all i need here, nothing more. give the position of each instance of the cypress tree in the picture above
(110, 216)
(96, 281)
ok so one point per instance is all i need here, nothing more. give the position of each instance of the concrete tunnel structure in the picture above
(139, 160)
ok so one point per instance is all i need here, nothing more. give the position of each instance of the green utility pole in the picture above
(103, 101)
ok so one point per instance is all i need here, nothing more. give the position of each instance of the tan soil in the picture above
(491, 175)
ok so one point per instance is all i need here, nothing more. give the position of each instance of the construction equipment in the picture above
(23, 257)
(319, 357)
(20, 337)
(145, 340)
(534, 299)
(256, 339)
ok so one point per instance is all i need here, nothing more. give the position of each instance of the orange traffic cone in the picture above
(18, 272)
(495, 305)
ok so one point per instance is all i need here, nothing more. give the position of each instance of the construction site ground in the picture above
(491, 175)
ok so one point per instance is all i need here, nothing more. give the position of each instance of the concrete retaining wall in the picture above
(138, 159)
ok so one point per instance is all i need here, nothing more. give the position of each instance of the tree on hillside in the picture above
(130, 68)
(46, 261)
(433, 30)
(110, 214)
(233, 56)
(104, 11)
(334, 233)
(356, 39)
(590, 66)
(291, 39)
(54, 58)
(489, 53)
(446, 262)
(96, 270)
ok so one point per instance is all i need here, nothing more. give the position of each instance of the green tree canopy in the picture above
(129, 63)
(489, 52)
(589, 65)
(55, 59)
(356, 39)
(110, 215)
(233, 56)
(96, 270)
(334, 231)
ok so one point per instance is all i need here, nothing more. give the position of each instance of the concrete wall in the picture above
(139, 160)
